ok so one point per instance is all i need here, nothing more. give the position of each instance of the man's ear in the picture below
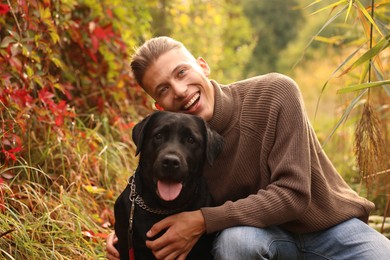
(204, 66)
(139, 130)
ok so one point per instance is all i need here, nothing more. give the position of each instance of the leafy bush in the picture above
(67, 105)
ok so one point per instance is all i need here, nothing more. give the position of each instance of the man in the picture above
(277, 193)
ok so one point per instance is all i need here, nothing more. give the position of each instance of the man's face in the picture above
(179, 83)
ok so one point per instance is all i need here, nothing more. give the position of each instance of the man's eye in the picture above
(181, 73)
(163, 90)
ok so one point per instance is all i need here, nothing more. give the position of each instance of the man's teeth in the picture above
(192, 101)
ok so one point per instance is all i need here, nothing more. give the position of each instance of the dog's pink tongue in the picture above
(169, 190)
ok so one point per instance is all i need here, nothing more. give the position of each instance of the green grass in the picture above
(48, 224)
(59, 205)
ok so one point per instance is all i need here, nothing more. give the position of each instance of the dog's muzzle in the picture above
(170, 169)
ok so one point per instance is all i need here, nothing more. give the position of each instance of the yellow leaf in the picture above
(44, 13)
(198, 20)
(57, 62)
(330, 40)
(218, 19)
(35, 57)
(120, 84)
(38, 80)
(29, 71)
(25, 51)
(94, 189)
(184, 19)
(368, 16)
(54, 36)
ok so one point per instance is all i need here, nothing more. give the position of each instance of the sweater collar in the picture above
(223, 108)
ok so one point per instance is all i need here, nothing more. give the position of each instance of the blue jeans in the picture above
(352, 239)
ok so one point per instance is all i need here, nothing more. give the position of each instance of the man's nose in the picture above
(179, 90)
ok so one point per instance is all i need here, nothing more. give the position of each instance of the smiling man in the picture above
(277, 194)
(181, 86)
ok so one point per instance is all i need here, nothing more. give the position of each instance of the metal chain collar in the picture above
(142, 204)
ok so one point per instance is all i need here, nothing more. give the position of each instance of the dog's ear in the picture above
(214, 144)
(139, 130)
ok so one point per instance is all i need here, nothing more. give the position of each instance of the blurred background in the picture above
(68, 101)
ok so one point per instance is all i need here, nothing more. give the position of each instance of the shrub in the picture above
(67, 105)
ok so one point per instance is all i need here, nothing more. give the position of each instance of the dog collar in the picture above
(137, 199)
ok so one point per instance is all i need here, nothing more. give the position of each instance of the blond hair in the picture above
(149, 52)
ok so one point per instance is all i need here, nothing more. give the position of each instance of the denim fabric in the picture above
(352, 239)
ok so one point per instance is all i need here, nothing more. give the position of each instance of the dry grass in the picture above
(369, 145)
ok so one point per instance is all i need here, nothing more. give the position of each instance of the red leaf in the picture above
(66, 89)
(92, 55)
(126, 126)
(95, 43)
(59, 120)
(10, 154)
(62, 106)
(45, 96)
(4, 9)
(101, 235)
(21, 97)
(103, 33)
(91, 234)
(109, 13)
(100, 104)
(16, 149)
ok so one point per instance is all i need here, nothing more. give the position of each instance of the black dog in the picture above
(173, 148)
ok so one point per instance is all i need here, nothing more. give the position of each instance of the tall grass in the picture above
(62, 208)
(49, 224)
(366, 69)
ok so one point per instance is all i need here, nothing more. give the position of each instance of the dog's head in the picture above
(173, 148)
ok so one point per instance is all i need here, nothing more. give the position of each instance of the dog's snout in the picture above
(171, 161)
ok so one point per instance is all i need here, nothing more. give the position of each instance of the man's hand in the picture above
(112, 253)
(183, 231)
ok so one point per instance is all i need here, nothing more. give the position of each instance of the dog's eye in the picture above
(190, 140)
(158, 136)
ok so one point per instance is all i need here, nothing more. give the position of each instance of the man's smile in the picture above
(192, 101)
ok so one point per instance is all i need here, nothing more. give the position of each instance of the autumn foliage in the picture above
(59, 62)
(67, 106)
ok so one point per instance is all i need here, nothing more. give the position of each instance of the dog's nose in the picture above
(171, 161)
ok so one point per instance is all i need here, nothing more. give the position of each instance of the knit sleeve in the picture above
(285, 161)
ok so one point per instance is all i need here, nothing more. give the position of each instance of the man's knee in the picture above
(236, 237)
(239, 243)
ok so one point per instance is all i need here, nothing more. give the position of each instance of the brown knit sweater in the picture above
(272, 170)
